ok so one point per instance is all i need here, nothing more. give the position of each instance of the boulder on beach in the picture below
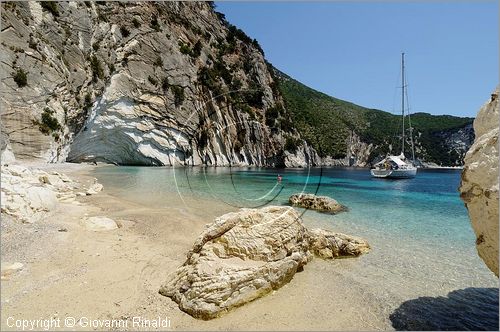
(99, 224)
(29, 194)
(244, 255)
(479, 186)
(318, 203)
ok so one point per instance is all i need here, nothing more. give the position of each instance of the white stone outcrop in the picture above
(244, 255)
(479, 187)
(29, 194)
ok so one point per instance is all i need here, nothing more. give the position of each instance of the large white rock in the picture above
(98, 224)
(41, 199)
(244, 255)
(29, 194)
(479, 187)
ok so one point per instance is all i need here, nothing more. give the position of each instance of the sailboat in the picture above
(398, 167)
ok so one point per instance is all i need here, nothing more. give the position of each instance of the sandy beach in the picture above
(70, 271)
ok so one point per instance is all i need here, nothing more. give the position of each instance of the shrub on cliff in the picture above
(184, 48)
(136, 23)
(154, 23)
(152, 80)
(88, 102)
(178, 92)
(165, 85)
(196, 52)
(50, 6)
(95, 66)
(124, 31)
(49, 123)
(20, 77)
(291, 144)
(158, 62)
(254, 94)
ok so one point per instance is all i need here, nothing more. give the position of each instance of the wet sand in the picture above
(116, 274)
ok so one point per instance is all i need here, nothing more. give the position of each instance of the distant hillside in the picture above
(328, 124)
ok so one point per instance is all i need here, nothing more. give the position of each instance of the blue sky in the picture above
(352, 50)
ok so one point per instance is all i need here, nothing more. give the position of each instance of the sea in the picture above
(423, 268)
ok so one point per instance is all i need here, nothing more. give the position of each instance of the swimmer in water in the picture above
(280, 178)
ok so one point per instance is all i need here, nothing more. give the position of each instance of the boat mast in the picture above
(403, 99)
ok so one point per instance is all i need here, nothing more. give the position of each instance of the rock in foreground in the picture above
(318, 203)
(245, 255)
(479, 187)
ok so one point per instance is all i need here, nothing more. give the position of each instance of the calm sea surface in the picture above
(423, 269)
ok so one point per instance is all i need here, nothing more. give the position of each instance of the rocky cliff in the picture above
(144, 84)
(174, 83)
(479, 187)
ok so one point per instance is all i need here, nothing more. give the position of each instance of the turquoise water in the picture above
(422, 243)
(425, 208)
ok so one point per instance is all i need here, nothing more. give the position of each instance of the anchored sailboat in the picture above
(398, 167)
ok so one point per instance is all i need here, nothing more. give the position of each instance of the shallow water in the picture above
(423, 246)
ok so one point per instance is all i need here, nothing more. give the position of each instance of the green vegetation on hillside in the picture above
(20, 77)
(326, 122)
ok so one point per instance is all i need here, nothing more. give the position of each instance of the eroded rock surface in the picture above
(244, 255)
(141, 83)
(318, 203)
(479, 187)
(29, 194)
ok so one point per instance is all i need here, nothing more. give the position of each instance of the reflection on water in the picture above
(423, 244)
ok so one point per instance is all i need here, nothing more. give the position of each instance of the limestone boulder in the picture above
(244, 255)
(30, 194)
(99, 224)
(327, 244)
(318, 203)
(479, 185)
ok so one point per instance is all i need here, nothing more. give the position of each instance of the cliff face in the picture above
(144, 84)
(458, 141)
(445, 147)
(174, 83)
(479, 187)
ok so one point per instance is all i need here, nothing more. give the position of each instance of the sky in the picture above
(352, 50)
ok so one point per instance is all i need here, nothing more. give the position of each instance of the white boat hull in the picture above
(394, 173)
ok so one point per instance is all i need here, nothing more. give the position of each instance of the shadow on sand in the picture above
(464, 309)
